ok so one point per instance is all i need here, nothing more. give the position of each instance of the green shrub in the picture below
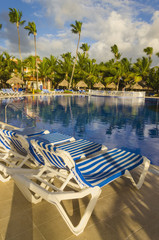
(37, 91)
(67, 91)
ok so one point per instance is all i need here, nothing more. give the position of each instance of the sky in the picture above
(131, 25)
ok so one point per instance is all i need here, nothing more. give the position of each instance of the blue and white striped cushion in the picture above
(48, 152)
(10, 141)
(54, 138)
(81, 148)
(104, 168)
(5, 138)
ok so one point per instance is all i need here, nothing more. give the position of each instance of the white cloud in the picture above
(105, 23)
(47, 46)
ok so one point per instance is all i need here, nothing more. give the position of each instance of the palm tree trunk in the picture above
(70, 84)
(66, 76)
(20, 51)
(118, 83)
(36, 62)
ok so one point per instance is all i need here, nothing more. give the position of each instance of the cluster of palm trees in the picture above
(121, 71)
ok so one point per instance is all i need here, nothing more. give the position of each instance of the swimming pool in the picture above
(128, 123)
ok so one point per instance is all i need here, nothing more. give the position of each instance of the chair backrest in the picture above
(5, 139)
(12, 141)
(59, 159)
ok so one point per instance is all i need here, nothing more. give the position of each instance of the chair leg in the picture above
(138, 185)
(27, 187)
(94, 192)
(4, 176)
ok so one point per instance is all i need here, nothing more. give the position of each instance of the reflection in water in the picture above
(129, 123)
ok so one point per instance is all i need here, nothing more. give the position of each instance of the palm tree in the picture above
(7, 67)
(92, 72)
(0, 26)
(142, 68)
(76, 29)
(85, 47)
(15, 17)
(44, 69)
(65, 65)
(115, 51)
(153, 79)
(31, 64)
(149, 51)
(52, 65)
(32, 30)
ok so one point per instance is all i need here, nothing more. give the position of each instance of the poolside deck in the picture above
(122, 212)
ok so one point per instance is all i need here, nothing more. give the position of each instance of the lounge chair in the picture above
(85, 178)
(14, 148)
(15, 153)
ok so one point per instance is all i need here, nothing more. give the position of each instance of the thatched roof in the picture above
(138, 86)
(98, 85)
(111, 85)
(81, 84)
(15, 80)
(64, 83)
(128, 86)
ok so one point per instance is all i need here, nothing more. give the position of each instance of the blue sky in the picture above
(132, 25)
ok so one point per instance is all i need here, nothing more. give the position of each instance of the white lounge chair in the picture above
(85, 178)
(14, 148)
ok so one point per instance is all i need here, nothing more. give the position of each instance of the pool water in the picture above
(127, 123)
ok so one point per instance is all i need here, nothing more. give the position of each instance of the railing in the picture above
(14, 107)
(116, 93)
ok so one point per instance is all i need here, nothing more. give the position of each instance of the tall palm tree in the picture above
(115, 51)
(76, 29)
(15, 17)
(85, 47)
(32, 30)
(149, 52)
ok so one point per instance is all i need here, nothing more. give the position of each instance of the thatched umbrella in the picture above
(15, 80)
(137, 86)
(111, 85)
(64, 83)
(128, 86)
(98, 85)
(81, 84)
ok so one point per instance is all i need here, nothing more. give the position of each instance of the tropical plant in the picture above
(7, 67)
(85, 47)
(141, 68)
(157, 54)
(149, 52)
(153, 80)
(115, 51)
(0, 26)
(30, 62)
(76, 29)
(32, 30)
(15, 17)
(52, 68)
(91, 72)
(65, 66)
(44, 69)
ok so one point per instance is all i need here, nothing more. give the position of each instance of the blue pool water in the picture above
(127, 123)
